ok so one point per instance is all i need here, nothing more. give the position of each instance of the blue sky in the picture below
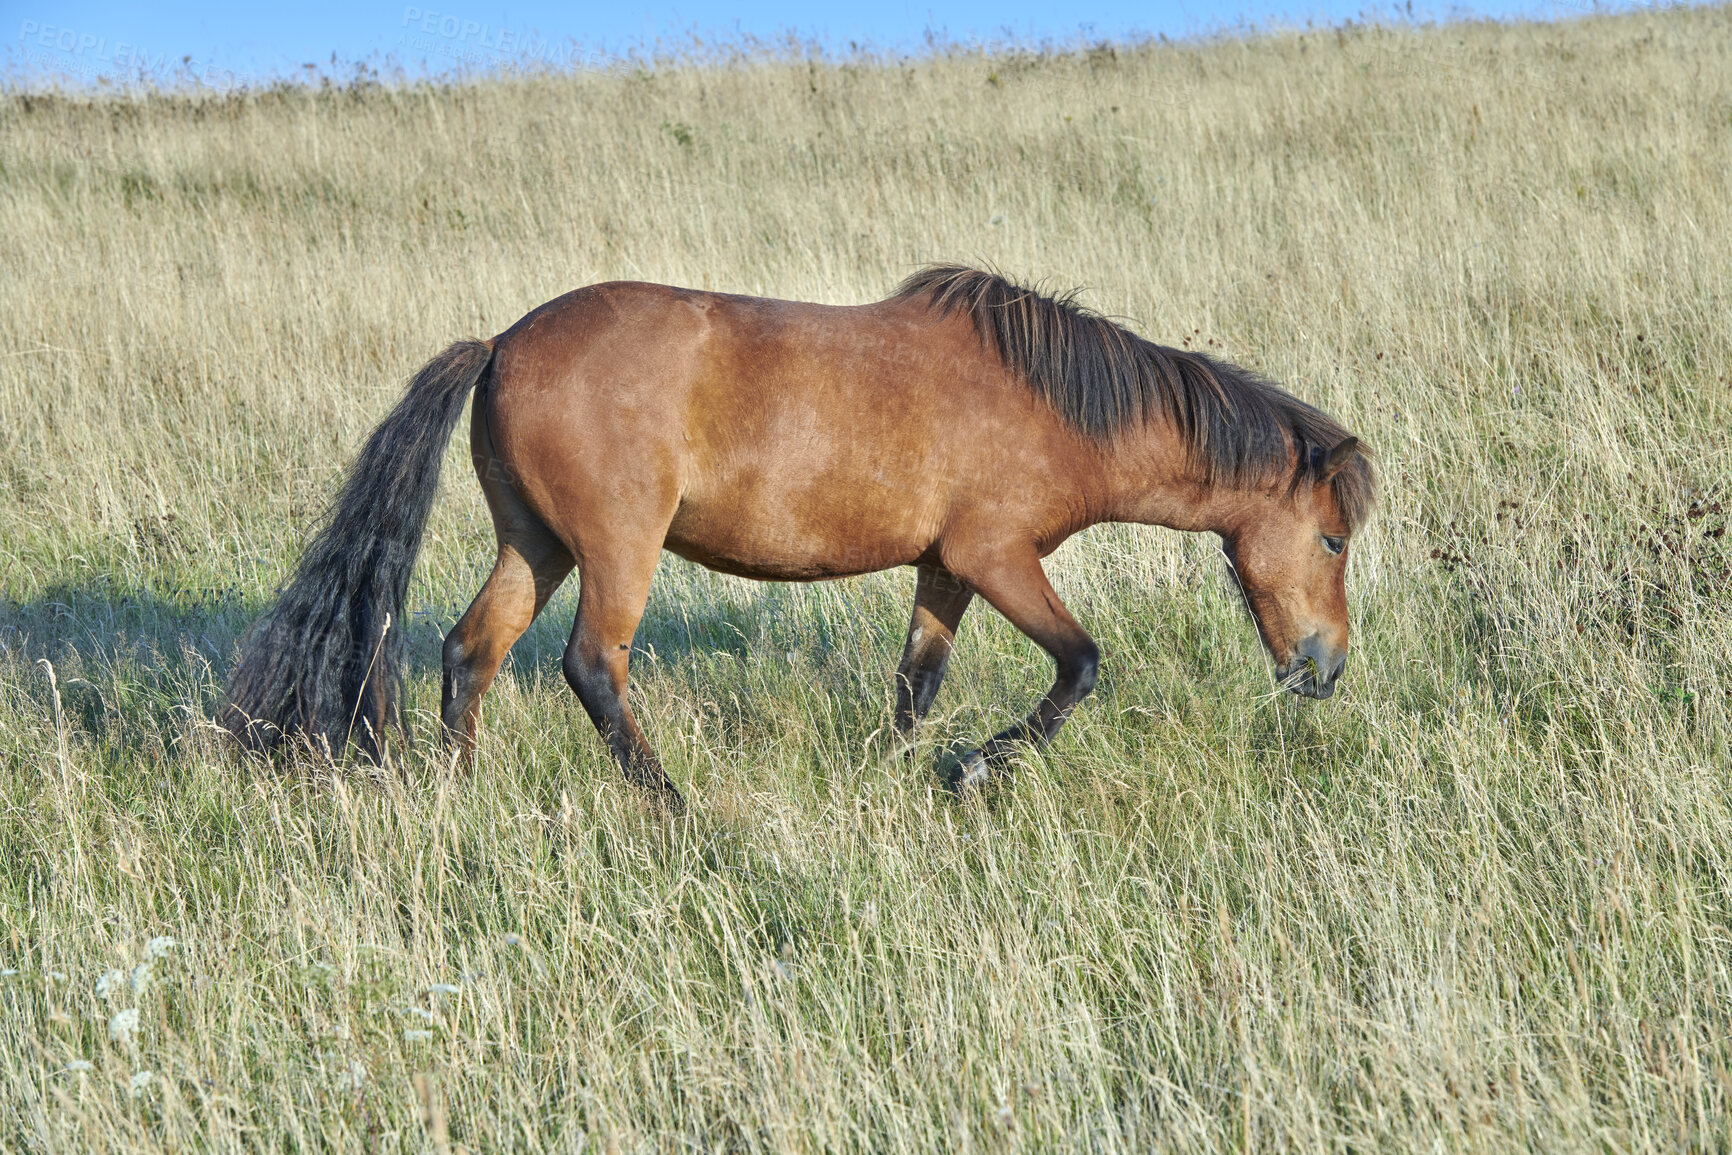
(220, 44)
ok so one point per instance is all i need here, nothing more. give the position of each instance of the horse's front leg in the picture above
(1016, 586)
(940, 597)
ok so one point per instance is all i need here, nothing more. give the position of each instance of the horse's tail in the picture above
(326, 660)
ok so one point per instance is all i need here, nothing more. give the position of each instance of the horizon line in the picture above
(62, 62)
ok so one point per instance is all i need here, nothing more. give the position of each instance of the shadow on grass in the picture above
(101, 621)
(98, 619)
(121, 655)
(122, 652)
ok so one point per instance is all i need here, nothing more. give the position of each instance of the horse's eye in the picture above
(1334, 544)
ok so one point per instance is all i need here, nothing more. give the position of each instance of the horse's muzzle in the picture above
(1313, 670)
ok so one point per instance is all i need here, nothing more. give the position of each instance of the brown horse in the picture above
(965, 426)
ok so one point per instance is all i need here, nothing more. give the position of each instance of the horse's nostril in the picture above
(1313, 669)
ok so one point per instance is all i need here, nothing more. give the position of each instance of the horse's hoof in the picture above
(662, 797)
(971, 772)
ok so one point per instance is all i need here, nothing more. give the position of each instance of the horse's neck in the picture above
(1153, 481)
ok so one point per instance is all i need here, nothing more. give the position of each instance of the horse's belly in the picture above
(796, 540)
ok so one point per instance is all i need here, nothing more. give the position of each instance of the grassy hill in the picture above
(1481, 900)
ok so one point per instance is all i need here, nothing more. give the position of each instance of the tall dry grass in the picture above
(1478, 901)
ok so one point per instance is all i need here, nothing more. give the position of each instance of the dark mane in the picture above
(1102, 378)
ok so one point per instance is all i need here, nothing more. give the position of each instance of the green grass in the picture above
(1480, 900)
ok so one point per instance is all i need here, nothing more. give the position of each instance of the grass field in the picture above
(1481, 900)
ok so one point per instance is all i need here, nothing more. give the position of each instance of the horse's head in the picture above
(1287, 546)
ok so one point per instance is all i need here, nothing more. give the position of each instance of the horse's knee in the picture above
(1084, 669)
(577, 672)
(588, 676)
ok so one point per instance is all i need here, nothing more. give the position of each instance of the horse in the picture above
(965, 425)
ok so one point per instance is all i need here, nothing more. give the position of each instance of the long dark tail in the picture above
(326, 661)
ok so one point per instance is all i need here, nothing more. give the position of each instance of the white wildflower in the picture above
(444, 989)
(413, 1035)
(421, 1013)
(140, 1081)
(141, 977)
(108, 984)
(81, 1065)
(352, 1076)
(8, 972)
(124, 1025)
(57, 976)
(159, 946)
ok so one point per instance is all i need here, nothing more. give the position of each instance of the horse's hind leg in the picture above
(532, 562)
(939, 600)
(1016, 586)
(530, 567)
(615, 588)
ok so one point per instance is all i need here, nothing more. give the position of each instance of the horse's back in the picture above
(772, 438)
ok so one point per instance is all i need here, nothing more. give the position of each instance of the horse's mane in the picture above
(1102, 378)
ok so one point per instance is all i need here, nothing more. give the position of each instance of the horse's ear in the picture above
(1338, 459)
